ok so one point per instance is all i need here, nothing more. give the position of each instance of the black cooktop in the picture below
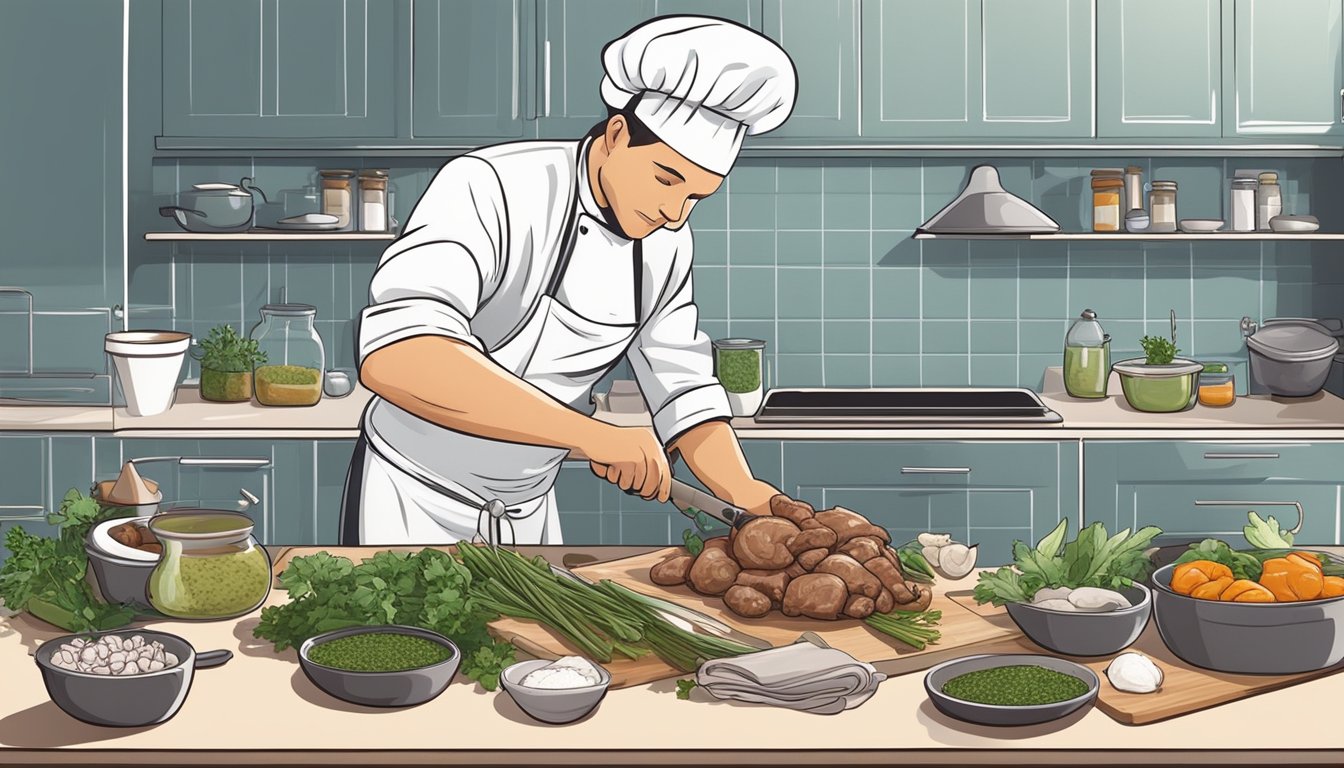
(955, 405)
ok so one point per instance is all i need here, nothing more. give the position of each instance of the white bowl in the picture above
(1294, 224)
(148, 364)
(1201, 225)
(555, 706)
(101, 539)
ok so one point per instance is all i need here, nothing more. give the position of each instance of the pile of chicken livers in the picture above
(826, 565)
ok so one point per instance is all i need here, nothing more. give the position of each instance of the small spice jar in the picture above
(1217, 386)
(739, 366)
(1243, 204)
(1107, 189)
(1268, 200)
(373, 200)
(1133, 188)
(338, 197)
(1162, 207)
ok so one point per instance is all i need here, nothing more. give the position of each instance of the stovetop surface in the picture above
(906, 404)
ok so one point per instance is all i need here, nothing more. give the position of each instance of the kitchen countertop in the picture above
(54, 418)
(262, 702)
(191, 416)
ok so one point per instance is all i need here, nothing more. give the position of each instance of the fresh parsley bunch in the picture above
(1157, 350)
(1092, 560)
(225, 351)
(429, 589)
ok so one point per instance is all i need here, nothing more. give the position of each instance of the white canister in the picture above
(1268, 200)
(148, 364)
(1243, 205)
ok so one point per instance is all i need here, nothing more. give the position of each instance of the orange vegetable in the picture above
(1246, 591)
(1333, 586)
(1292, 578)
(1210, 590)
(1188, 576)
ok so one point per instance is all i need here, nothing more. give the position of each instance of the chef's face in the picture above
(648, 186)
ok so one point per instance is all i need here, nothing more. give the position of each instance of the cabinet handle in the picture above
(1341, 105)
(1301, 514)
(546, 80)
(201, 461)
(935, 470)
(1215, 455)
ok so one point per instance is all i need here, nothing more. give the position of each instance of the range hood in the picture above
(984, 207)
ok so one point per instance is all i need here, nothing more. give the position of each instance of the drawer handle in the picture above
(200, 461)
(1214, 455)
(1301, 514)
(935, 470)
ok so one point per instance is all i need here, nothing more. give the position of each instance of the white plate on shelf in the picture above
(307, 222)
(1294, 224)
(1201, 226)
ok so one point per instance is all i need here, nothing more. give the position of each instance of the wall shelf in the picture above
(1117, 236)
(253, 236)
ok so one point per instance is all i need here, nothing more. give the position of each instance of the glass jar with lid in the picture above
(373, 210)
(338, 197)
(211, 566)
(1243, 204)
(295, 356)
(1162, 207)
(1107, 191)
(1087, 357)
(739, 366)
(1268, 200)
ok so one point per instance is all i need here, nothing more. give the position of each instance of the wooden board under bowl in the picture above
(962, 630)
(1185, 688)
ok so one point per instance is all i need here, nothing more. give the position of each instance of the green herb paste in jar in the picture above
(211, 567)
(1021, 685)
(739, 370)
(379, 652)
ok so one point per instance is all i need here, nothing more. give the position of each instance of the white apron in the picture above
(558, 350)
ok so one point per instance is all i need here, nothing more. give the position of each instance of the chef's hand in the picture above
(632, 458)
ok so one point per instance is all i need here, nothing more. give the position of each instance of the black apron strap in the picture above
(351, 504)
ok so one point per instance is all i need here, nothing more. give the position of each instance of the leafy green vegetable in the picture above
(914, 565)
(914, 628)
(428, 589)
(1243, 565)
(1159, 351)
(45, 576)
(224, 350)
(694, 544)
(1266, 534)
(684, 688)
(1093, 559)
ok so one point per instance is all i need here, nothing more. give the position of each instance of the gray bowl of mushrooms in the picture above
(1087, 621)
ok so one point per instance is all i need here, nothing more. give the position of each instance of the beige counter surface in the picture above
(55, 418)
(262, 702)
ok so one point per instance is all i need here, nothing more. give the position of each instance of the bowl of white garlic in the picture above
(1087, 621)
(128, 678)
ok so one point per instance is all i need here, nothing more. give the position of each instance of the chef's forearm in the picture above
(712, 452)
(454, 385)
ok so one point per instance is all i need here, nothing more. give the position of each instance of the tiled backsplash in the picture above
(818, 258)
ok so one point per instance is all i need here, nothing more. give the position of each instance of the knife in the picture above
(689, 500)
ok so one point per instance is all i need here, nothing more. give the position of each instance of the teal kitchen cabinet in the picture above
(1159, 68)
(1192, 490)
(263, 68)
(469, 58)
(1283, 75)
(977, 69)
(821, 36)
(571, 36)
(989, 493)
(37, 470)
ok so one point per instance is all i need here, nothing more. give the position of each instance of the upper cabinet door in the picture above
(467, 68)
(571, 38)
(1159, 68)
(299, 68)
(977, 68)
(822, 38)
(1286, 77)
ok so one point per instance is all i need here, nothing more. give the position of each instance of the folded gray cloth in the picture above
(801, 676)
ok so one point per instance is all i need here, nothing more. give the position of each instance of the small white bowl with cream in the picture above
(559, 691)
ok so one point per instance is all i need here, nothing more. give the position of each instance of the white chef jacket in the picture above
(476, 262)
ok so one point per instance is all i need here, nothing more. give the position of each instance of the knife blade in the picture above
(687, 497)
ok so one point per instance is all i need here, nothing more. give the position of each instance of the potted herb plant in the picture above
(227, 360)
(1159, 382)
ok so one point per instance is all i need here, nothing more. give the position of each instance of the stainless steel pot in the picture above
(1290, 356)
(212, 207)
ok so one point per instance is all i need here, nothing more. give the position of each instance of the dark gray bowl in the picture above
(382, 689)
(990, 714)
(120, 580)
(125, 701)
(1249, 638)
(557, 706)
(1086, 634)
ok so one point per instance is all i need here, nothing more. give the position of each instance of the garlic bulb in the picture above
(1134, 673)
(956, 560)
(934, 539)
(931, 554)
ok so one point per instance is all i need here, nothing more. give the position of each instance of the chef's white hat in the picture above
(703, 84)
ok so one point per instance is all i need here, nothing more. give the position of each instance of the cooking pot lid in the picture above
(219, 186)
(1293, 341)
(985, 207)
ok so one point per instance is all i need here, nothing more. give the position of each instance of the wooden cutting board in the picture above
(961, 629)
(1185, 688)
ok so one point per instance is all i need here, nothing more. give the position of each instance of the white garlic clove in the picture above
(930, 553)
(956, 560)
(1134, 673)
(1095, 599)
(934, 539)
(170, 659)
(129, 669)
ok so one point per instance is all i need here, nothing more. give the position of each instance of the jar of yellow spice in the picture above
(1108, 186)
(294, 355)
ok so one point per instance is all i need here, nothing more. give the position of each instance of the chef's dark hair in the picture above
(639, 132)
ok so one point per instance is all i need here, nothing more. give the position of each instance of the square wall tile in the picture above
(847, 175)
(1043, 336)
(897, 248)
(941, 337)
(1169, 287)
(710, 288)
(799, 293)
(752, 175)
(711, 212)
(1201, 188)
(751, 293)
(848, 370)
(994, 337)
(897, 337)
(1225, 292)
(896, 293)
(897, 175)
(993, 293)
(800, 371)
(309, 282)
(848, 248)
(216, 289)
(942, 182)
(763, 330)
(846, 294)
(847, 210)
(896, 370)
(994, 370)
(751, 210)
(799, 248)
(1031, 369)
(897, 210)
(711, 246)
(1218, 338)
(751, 248)
(361, 273)
(1111, 291)
(799, 210)
(800, 337)
(945, 371)
(944, 292)
(70, 342)
(946, 253)
(800, 176)
(847, 337)
(1043, 294)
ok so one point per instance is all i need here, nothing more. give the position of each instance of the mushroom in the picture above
(816, 596)
(888, 574)
(885, 602)
(808, 560)
(714, 570)
(745, 601)
(859, 607)
(789, 509)
(821, 537)
(769, 583)
(672, 571)
(763, 543)
(862, 548)
(858, 580)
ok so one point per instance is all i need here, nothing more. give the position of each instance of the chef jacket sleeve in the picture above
(433, 278)
(672, 361)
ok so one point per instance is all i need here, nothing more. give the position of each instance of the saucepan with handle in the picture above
(212, 207)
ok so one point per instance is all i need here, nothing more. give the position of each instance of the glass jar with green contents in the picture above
(739, 365)
(211, 567)
(294, 356)
(1087, 357)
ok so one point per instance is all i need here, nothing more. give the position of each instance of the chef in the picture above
(527, 271)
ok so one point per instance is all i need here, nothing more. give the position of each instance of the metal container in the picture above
(1084, 633)
(1249, 638)
(212, 207)
(989, 714)
(1290, 356)
(557, 706)
(381, 689)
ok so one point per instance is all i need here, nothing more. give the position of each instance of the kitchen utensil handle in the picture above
(1215, 455)
(203, 461)
(935, 470)
(208, 659)
(169, 210)
(1301, 513)
(546, 80)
